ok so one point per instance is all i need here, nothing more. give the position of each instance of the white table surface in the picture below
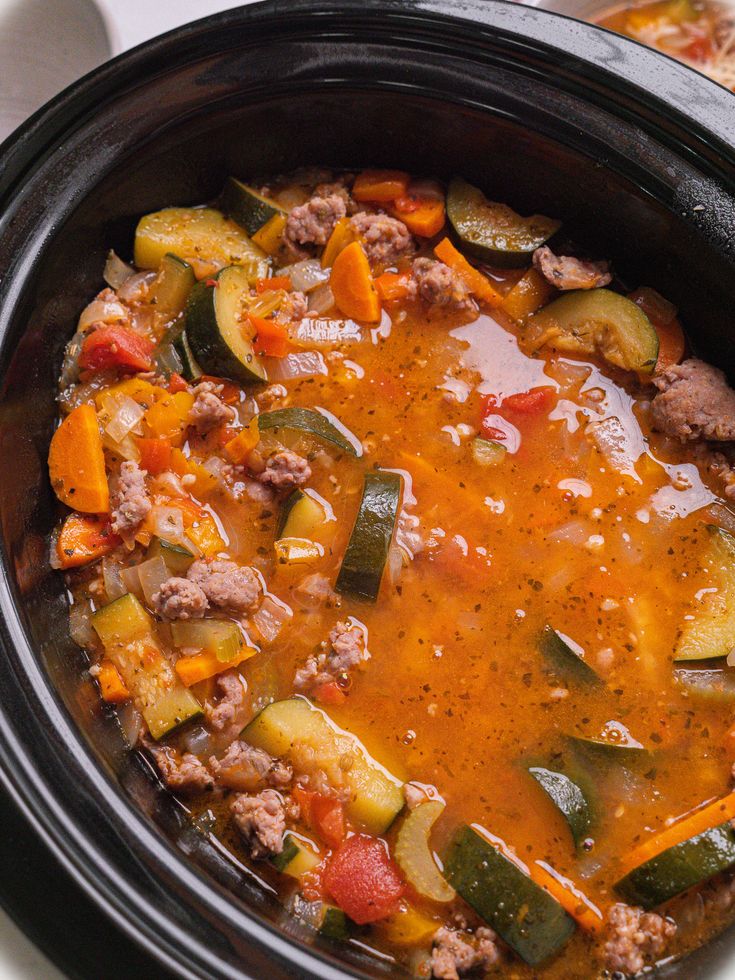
(44, 46)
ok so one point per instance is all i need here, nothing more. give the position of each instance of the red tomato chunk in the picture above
(115, 348)
(363, 880)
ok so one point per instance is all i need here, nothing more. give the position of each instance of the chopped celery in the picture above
(487, 453)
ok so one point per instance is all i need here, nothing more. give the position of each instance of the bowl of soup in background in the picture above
(634, 152)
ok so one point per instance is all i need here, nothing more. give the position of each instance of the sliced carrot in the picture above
(687, 826)
(530, 293)
(571, 899)
(477, 284)
(76, 463)
(155, 455)
(380, 185)
(352, 285)
(112, 686)
(423, 216)
(200, 666)
(84, 538)
(393, 286)
(239, 448)
(271, 338)
(177, 383)
(343, 235)
(275, 282)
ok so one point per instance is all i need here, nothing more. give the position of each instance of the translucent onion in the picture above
(131, 722)
(152, 574)
(304, 364)
(270, 618)
(323, 332)
(116, 271)
(80, 624)
(112, 577)
(125, 449)
(321, 299)
(167, 523)
(167, 360)
(136, 286)
(269, 301)
(70, 367)
(126, 416)
(394, 564)
(306, 275)
(101, 311)
(131, 580)
(198, 741)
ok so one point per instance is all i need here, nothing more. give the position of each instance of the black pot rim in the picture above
(576, 57)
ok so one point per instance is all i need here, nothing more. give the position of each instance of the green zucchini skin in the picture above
(362, 567)
(305, 420)
(532, 922)
(680, 867)
(334, 924)
(190, 370)
(493, 232)
(215, 334)
(709, 635)
(245, 206)
(564, 662)
(288, 505)
(568, 798)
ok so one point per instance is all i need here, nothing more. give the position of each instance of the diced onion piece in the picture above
(126, 416)
(198, 741)
(126, 448)
(131, 722)
(304, 364)
(101, 311)
(413, 853)
(395, 563)
(135, 286)
(167, 523)
(324, 332)
(112, 577)
(306, 275)
(167, 360)
(116, 271)
(70, 367)
(487, 453)
(152, 574)
(267, 302)
(80, 624)
(131, 580)
(321, 300)
(297, 551)
(270, 618)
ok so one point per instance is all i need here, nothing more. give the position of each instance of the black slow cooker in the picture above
(634, 152)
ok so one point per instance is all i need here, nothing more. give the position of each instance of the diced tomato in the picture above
(230, 393)
(699, 50)
(493, 433)
(155, 455)
(330, 693)
(271, 338)
(115, 348)
(362, 880)
(275, 282)
(322, 813)
(177, 383)
(529, 402)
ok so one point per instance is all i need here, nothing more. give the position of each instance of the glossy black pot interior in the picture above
(533, 107)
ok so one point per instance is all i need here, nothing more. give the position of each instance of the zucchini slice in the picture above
(529, 920)
(202, 237)
(306, 420)
(623, 750)
(190, 370)
(177, 558)
(248, 208)
(367, 550)
(564, 662)
(680, 867)
(172, 286)
(328, 920)
(712, 631)
(219, 334)
(567, 797)
(308, 737)
(597, 321)
(126, 632)
(220, 637)
(296, 858)
(301, 515)
(492, 232)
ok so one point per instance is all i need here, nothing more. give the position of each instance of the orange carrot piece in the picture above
(330, 693)
(155, 455)
(530, 293)
(84, 538)
(353, 286)
(687, 826)
(200, 666)
(76, 463)
(393, 286)
(477, 284)
(342, 236)
(240, 446)
(424, 217)
(571, 899)
(271, 338)
(177, 383)
(275, 282)
(112, 686)
(380, 185)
